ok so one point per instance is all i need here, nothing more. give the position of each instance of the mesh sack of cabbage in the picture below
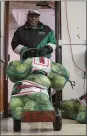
(70, 108)
(56, 72)
(73, 109)
(38, 102)
(82, 110)
(17, 70)
(29, 96)
(40, 79)
(82, 114)
(58, 75)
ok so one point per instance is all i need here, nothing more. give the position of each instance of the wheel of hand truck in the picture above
(57, 124)
(17, 125)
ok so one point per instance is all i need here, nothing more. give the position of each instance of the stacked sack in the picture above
(21, 99)
(20, 70)
(29, 96)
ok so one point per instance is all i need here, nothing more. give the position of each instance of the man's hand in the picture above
(29, 54)
(44, 51)
(37, 52)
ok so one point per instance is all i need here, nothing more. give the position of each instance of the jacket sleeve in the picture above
(52, 40)
(15, 43)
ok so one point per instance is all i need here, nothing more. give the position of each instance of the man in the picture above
(34, 34)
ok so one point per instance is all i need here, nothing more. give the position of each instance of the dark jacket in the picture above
(26, 36)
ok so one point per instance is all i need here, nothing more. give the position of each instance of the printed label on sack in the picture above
(28, 87)
(41, 63)
(83, 100)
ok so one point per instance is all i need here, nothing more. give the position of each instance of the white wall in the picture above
(76, 11)
(2, 30)
(77, 25)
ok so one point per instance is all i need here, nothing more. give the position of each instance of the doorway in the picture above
(17, 17)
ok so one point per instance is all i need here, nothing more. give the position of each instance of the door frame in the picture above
(58, 52)
(5, 79)
(6, 29)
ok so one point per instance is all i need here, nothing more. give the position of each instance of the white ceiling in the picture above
(22, 5)
(27, 4)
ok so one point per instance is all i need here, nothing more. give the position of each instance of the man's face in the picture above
(33, 19)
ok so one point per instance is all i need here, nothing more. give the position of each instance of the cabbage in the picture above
(28, 62)
(58, 76)
(26, 98)
(69, 108)
(46, 107)
(59, 69)
(15, 102)
(57, 82)
(39, 79)
(82, 108)
(41, 98)
(18, 69)
(82, 117)
(34, 106)
(17, 113)
(31, 106)
(14, 79)
(82, 114)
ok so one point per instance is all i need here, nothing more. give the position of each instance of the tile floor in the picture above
(69, 128)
